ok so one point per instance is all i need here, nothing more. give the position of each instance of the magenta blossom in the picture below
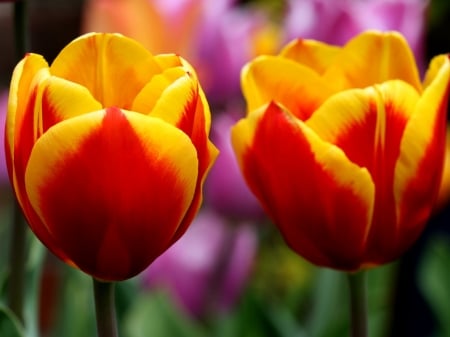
(206, 270)
(224, 46)
(225, 189)
(4, 181)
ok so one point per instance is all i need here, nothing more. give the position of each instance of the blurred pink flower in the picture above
(206, 270)
(225, 45)
(225, 189)
(336, 22)
(4, 181)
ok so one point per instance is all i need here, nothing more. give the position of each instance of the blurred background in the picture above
(232, 274)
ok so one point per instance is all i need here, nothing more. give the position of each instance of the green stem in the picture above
(105, 309)
(17, 257)
(36, 255)
(17, 260)
(358, 303)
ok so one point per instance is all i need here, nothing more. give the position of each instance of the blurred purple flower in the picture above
(225, 189)
(336, 22)
(227, 43)
(206, 270)
(4, 181)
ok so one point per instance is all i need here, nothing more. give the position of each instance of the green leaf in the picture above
(255, 317)
(381, 281)
(76, 312)
(330, 310)
(9, 324)
(32, 283)
(153, 314)
(330, 293)
(434, 281)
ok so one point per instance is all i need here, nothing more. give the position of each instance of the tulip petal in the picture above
(298, 88)
(179, 102)
(320, 200)
(313, 54)
(444, 188)
(436, 65)
(112, 67)
(23, 85)
(21, 128)
(166, 61)
(196, 122)
(21, 131)
(146, 100)
(175, 97)
(419, 168)
(102, 205)
(62, 99)
(375, 117)
(387, 54)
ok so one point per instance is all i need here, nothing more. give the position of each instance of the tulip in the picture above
(444, 190)
(107, 150)
(344, 146)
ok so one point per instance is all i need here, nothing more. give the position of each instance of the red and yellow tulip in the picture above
(444, 190)
(344, 147)
(107, 151)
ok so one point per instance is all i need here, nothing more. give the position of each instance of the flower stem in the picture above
(17, 259)
(358, 303)
(105, 309)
